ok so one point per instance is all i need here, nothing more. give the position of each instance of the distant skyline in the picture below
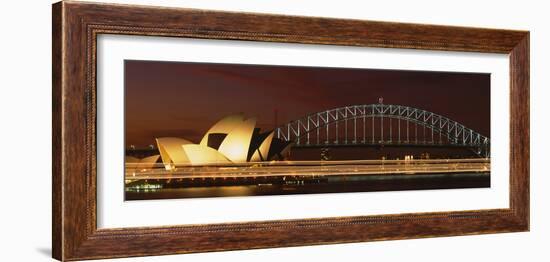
(180, 99)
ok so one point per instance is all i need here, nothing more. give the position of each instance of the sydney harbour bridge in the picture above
(381, 125)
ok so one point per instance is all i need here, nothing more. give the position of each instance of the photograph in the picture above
(196, 130)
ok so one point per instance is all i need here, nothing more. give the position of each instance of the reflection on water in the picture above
(337, 184)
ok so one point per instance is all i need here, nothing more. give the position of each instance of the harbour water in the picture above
(164, 189)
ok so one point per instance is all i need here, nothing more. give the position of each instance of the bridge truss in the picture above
(381, 124)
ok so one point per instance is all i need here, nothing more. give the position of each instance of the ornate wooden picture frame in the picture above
(76, 26)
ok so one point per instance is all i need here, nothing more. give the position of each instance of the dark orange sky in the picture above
(185, 99)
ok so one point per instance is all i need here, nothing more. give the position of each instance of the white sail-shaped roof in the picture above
(237, 142)
(203, 155)
(234, 147)
(261, 154)
(224, 126)
(171, 151)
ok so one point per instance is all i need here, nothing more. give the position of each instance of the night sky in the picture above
(185, 99)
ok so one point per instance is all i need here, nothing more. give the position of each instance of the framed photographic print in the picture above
(181, 130)
(189, 131)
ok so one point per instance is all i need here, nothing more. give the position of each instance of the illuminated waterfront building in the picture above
(233, 139)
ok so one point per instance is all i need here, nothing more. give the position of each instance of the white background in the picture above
(25, 95)
(114, 212)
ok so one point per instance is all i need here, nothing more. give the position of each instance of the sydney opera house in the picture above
(232, 140)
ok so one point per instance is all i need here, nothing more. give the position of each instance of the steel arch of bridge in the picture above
(301, 131)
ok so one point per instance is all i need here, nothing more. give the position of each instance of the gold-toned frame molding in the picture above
(76, 26)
